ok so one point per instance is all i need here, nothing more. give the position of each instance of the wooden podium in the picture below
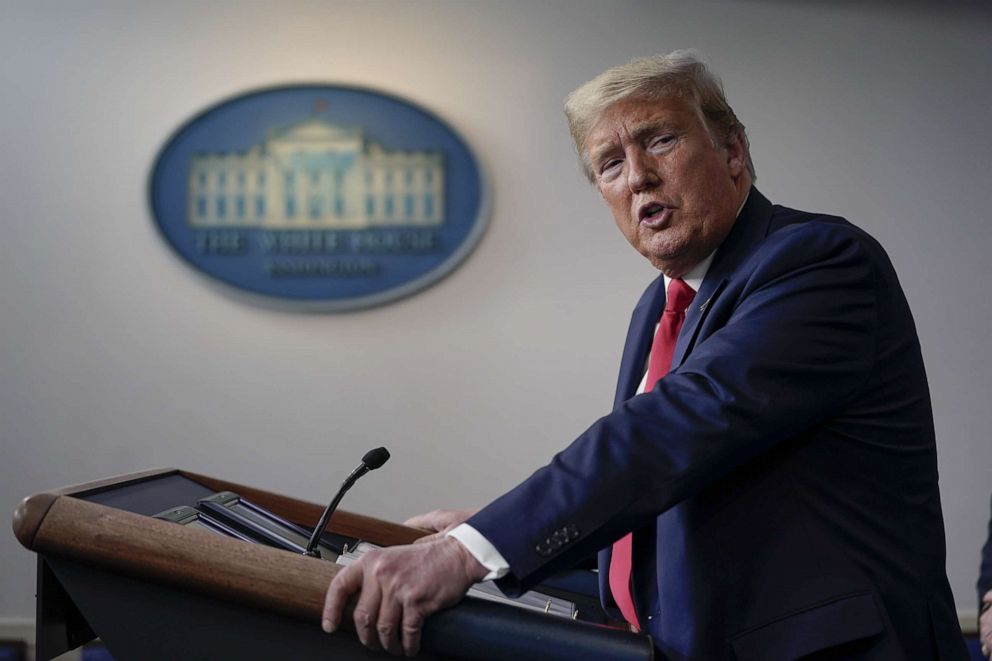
(152, 589)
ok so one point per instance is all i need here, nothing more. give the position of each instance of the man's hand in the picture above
(397, 588)
(439, 521)
(985, 626)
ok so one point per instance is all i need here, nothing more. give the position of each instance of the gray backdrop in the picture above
(115, 357)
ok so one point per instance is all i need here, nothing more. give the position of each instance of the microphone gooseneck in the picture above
(372, 460)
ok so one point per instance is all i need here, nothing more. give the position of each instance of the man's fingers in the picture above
(390, 614)
(424, 521)
(366, 615)
(439, 520)
(397, 589)
(413, 623)
(345, 583)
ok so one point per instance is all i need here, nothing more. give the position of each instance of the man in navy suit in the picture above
(766, 485)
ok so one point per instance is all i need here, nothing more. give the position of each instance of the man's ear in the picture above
(736, 152)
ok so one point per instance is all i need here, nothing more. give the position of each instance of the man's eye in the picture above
(610, 165)
(662, 141)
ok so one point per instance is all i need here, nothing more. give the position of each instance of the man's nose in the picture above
(642, 171)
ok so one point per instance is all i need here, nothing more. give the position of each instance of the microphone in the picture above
(373, 459)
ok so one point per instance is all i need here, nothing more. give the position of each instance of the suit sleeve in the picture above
(794, 349)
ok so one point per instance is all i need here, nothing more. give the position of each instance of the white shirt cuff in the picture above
(482, 550)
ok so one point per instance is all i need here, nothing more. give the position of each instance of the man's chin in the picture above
(671, 268)
(673, 263)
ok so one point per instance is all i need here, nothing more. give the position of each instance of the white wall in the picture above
(116, 357)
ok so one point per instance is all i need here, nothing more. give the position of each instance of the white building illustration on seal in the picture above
(315, 175)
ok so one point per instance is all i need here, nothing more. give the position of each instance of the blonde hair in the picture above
(681, 73)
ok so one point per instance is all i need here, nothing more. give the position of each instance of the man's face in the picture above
(674, 194)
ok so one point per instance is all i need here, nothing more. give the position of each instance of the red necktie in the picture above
(679, 299)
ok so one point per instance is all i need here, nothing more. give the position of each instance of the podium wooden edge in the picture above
(183, 557)
(59, 523)
(28, 516)
(305, 513)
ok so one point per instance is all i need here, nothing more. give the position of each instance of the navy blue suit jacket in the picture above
(781, 480)
(985, 574)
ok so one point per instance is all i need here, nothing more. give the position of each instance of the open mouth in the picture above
(654, 214)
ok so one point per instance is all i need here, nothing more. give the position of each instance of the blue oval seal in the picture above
(320, 197)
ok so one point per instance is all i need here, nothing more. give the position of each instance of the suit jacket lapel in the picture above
(749, 229)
